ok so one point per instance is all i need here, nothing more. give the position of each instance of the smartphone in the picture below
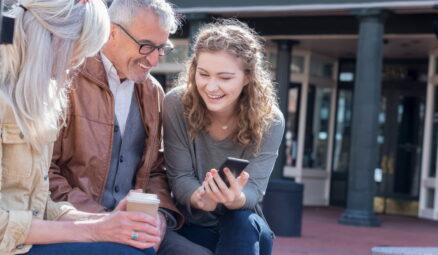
(236, 166)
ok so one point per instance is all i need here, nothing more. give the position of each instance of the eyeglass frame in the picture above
(141, 45)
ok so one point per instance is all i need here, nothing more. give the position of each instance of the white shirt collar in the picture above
(122, 92)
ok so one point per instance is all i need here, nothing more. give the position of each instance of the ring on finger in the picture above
(134, 236)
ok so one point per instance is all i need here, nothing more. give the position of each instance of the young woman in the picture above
(51, 38)
(224, 107)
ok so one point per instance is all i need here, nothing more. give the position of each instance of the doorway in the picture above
(401, 125)
(401, 130)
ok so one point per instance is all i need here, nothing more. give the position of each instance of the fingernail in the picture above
(214, 171)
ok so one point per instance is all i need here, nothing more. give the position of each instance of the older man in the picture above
(111, 143)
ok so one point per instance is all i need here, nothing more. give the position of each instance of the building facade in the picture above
(358, 85)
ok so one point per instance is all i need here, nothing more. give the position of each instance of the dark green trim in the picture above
(234, 3)
(332, 25)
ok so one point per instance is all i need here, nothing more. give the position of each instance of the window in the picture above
(291, 135)
(343, 131)
(320, 68)
(430, 198)
(297, 65)
(178, 56)
(317, 127)
(434, 144)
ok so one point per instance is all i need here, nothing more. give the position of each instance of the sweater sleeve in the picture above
(262, 164)
(180, 171)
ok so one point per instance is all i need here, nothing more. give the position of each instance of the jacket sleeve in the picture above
(14, 224)
(55, 210)
(158, 182)
(14, 228)
(60, 188)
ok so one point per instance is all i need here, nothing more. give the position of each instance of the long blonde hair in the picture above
(255, 112)
(51, 38)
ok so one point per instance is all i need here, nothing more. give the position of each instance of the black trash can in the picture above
(283, 206)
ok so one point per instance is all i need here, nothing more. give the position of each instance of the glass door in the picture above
(341, 145)
(400, 138)
(342, 137)
(401, 123)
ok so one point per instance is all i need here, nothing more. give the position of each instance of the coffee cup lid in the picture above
(143, 197)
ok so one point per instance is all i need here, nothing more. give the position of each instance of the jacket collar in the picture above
(94, 70)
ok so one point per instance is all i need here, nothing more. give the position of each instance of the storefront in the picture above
(326, 46)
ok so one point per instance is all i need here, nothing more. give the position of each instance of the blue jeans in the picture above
(239, 232)
(88, 248)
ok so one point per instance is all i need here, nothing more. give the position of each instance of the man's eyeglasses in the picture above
(148, 48)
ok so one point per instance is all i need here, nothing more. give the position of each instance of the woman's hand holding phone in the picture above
(232, 197)
(200, 200)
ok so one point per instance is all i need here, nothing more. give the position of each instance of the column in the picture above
(282, 204)
(284, 58)
(363, 150)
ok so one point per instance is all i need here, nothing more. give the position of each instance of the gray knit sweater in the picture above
(188, 161)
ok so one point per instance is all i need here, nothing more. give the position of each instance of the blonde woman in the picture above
(51, 38)
(225, 106)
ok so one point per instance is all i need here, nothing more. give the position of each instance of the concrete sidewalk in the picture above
(404, 251)
(321, 234)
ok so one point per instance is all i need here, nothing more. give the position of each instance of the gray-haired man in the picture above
(111, 143)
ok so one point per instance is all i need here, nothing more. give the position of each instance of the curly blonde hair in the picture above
(255, 112)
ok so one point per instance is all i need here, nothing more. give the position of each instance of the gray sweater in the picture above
(188, 161)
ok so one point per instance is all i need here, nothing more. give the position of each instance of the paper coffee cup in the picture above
(143, 202)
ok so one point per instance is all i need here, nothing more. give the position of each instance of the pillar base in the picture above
(359, 218)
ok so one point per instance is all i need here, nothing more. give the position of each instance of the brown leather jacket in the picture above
(82, 152)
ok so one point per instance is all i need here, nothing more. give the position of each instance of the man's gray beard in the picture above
(144, 79)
